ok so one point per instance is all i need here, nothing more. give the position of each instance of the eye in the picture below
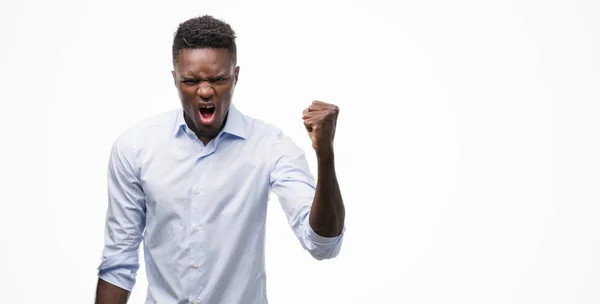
(219, 79)
(189, 81)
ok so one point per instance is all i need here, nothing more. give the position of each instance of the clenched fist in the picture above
(320, 119)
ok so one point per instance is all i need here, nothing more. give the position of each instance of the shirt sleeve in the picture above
(125, 218)
(294, 186)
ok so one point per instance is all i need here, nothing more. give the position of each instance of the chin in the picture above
(209, 125)
(208, 131)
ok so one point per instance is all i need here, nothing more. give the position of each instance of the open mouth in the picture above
(207, 113)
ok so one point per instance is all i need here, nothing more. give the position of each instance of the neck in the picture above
(204, 138)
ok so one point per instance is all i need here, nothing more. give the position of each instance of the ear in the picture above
(174, 78)
(236, 72)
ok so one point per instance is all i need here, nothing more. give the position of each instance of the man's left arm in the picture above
(315, 210)
(327, 213)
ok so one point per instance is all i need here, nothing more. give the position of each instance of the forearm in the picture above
(327, 213)
(107, 293)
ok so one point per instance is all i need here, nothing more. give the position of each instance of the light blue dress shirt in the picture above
(200, 210)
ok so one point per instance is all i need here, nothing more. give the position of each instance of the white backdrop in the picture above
(467, 148)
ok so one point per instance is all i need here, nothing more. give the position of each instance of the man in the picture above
(193, 184)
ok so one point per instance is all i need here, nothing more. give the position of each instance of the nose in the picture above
(205, 91)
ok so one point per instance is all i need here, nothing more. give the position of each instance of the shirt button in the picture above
(197, 228)
(196, 265)
(196, 302)
(198, 191)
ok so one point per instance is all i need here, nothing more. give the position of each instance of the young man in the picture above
(193, 184)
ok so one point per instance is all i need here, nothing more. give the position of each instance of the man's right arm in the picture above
(125, 222)
(107, 293)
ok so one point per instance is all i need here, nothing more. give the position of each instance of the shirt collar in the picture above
(235, 124)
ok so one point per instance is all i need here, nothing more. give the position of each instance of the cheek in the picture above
(226, 91)
(186, 94)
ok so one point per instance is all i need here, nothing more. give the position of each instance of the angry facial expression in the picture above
(205, 79)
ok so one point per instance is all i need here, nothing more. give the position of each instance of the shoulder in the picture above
(272, 139)
(145, 131)
(260, 130)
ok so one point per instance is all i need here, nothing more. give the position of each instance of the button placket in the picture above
(196, 232)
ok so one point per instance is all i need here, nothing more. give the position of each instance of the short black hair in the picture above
(204, 32)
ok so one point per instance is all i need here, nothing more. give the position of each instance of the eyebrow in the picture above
(221, 75)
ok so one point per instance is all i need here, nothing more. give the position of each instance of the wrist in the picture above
(325, 155)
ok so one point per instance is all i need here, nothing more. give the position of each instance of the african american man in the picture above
(193, 185)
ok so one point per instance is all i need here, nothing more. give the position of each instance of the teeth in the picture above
(207, 106)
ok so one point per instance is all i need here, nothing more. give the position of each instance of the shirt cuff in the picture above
(118, 279)
(120, 270)
(322, 240)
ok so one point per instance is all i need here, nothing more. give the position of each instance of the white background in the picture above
(467, 148)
